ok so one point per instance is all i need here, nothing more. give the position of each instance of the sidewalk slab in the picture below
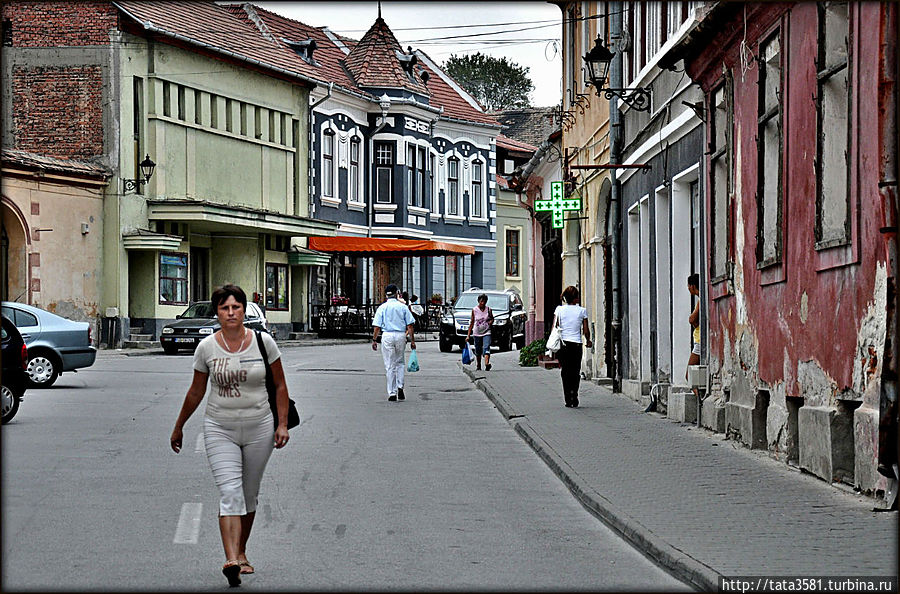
(699, 505)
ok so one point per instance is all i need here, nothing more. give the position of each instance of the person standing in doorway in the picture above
(394, 322)
(480, 327)
(238, 429)
(694, 319)
(571, 319)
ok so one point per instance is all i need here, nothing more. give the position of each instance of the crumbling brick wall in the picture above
(58, 111)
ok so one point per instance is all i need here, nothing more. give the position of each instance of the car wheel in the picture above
(445, 346)
(169, 349)
(42, 369)
(10, 404)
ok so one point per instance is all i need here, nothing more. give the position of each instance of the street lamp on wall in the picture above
(597, 61)
(147, 166)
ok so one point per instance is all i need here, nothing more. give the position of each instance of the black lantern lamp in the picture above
(598, 61)
(147, 166)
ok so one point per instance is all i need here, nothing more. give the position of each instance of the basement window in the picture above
(7, 32)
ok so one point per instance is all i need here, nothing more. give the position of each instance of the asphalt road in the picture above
(436, 493)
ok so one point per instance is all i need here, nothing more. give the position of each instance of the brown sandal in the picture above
(232, 571)
(246, 567)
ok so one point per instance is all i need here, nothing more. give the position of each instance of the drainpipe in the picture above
(889, 102)
(614, 224)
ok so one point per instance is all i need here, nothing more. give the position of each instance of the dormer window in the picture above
(304, 49)
(408, 63)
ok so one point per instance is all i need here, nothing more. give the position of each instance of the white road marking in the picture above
(198, 447)
(188, 529)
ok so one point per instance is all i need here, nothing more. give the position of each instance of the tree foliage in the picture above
(497, 83)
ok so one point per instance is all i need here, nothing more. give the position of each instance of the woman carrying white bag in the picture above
(570, 320)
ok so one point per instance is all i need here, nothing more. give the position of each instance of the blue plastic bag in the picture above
(466, 354)
(413, 361)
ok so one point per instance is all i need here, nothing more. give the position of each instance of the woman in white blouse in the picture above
(571, 319)
(239, 429)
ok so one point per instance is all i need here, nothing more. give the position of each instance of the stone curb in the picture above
(281, 344)
(678, 563)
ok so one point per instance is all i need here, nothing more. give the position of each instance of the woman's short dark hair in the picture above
(221, 294)
(569, 294)
(694, 280)
(483, 296)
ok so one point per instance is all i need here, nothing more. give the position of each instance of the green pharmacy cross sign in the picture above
(558, 203)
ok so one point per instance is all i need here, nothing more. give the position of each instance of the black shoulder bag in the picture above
(293, 415)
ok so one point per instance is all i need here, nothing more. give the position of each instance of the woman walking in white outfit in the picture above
(238, 429)
(572, 321)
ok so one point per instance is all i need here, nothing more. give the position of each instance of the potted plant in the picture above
(437, 299)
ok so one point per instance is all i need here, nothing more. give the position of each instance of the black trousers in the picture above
(569, 357)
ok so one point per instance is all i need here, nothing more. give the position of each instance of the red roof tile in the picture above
(375, 62)
(514, 145)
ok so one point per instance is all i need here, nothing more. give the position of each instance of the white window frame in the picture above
(328, 167)
(357, 196)
(481, 200)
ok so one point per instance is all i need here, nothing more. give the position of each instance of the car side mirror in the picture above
(179, 316)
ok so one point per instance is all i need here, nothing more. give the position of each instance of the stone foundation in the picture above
(636, 390)
(682, 407)
(826, 443)
(712, 414)
(865, 438)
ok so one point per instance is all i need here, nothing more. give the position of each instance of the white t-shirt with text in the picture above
(237, 381)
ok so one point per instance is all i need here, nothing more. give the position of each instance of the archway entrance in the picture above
(14, 266)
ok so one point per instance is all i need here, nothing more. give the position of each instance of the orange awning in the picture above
(387, 247)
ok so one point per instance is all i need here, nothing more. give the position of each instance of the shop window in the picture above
(276, 286)
(384, 162)
(833, 102)
(173, 278)
(512, 252)
(451, 277)
(769, 148)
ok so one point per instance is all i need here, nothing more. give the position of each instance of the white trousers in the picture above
(238, 452)
(393, 345)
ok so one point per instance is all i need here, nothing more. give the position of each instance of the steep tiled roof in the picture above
(375, 61)
(327, 55)
(207, 24)
(504, 141)
(531, 125)
(246, 32)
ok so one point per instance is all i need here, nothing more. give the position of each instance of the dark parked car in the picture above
(55, 344)
(507, 330)
(14, 356)
(199, 321)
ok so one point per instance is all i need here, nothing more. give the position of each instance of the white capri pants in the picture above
(392, 347)
(238, 452)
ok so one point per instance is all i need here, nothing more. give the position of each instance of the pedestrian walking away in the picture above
(480, 327)
(393, 322)
(572, 321)
(238, 427)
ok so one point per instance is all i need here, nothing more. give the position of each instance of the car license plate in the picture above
(184, 340)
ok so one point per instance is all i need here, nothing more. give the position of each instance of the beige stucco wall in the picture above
(62, 264)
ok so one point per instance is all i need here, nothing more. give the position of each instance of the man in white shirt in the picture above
(394, 322)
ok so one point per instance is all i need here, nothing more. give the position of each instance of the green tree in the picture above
(497, 83)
